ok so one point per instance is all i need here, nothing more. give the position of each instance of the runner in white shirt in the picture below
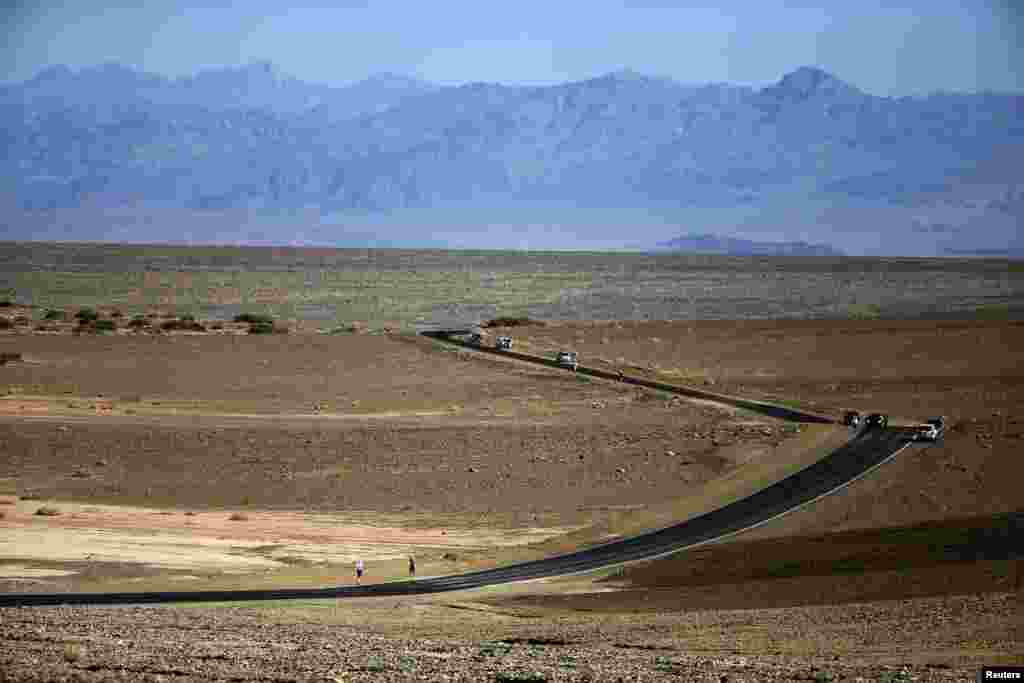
(359, 571)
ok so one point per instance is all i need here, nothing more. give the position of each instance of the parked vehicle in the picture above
(503, 344)
(931, 430)
(851, 418)
(567, 359)
(476, 339)
(876, 420)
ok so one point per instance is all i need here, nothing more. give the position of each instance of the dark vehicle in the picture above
(876, 420)
(931, 430)
(851, 418)
(476, 339)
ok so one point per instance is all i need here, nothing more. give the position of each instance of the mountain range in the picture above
(623, 160)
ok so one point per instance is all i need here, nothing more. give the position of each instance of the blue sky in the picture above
(882, 47)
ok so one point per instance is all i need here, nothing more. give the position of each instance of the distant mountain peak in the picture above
(707, 243)
(806, 82)
(55, 72)
(625, 74)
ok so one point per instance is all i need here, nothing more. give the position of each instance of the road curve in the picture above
(866, 451)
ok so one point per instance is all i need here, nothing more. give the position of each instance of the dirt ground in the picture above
(415, 448)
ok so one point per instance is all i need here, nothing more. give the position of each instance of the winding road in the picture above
(867, 450)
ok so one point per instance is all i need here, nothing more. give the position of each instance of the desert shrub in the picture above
(511, 321)
(72, 652)
(217, 326)
(352, 328)
(116, 314)
(47, 511)
(261, 328)
(87, 315)
(254, 318)
(182, 324)
(138, 321)
(863, 311)
(520, 677)
(267, 328)
(104, 326)
(54, 314)
(5, 324)
(6, 303)
(187, 318)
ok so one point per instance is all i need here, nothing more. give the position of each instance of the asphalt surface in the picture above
(868, 449)
(780, 412)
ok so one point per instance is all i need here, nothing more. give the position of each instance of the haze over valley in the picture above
(250, 155)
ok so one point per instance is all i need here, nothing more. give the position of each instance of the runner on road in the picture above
(359, 571)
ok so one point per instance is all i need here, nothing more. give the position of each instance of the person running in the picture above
(412, 566)
(360, 567)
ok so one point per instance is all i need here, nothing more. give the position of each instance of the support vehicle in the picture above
(503, 343)
(567, 359)
(876, 420)
(851, 418)
(931, 430)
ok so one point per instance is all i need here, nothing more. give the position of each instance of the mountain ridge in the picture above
(808, 155)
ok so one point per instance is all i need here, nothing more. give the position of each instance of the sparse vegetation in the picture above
(138, 321)
(863, 311)
(254, 318)
(87, 315)
(267, 328)
(104, 326)
(54, 314)
(6, 303)
(351, 328)
(520, 677)
(72, 652)
(185, 323)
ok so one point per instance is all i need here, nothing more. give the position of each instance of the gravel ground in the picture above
(941, 639)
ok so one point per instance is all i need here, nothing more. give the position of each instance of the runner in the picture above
(359, 571)
(412, 566)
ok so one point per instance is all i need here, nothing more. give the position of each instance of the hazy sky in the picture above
(886, 48)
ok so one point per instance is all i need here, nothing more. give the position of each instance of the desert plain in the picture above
(151, 459)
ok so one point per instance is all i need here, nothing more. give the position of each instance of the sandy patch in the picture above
(214, 542)
(18, 571)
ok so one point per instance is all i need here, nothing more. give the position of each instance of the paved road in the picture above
(455, 338)
(867, 450)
